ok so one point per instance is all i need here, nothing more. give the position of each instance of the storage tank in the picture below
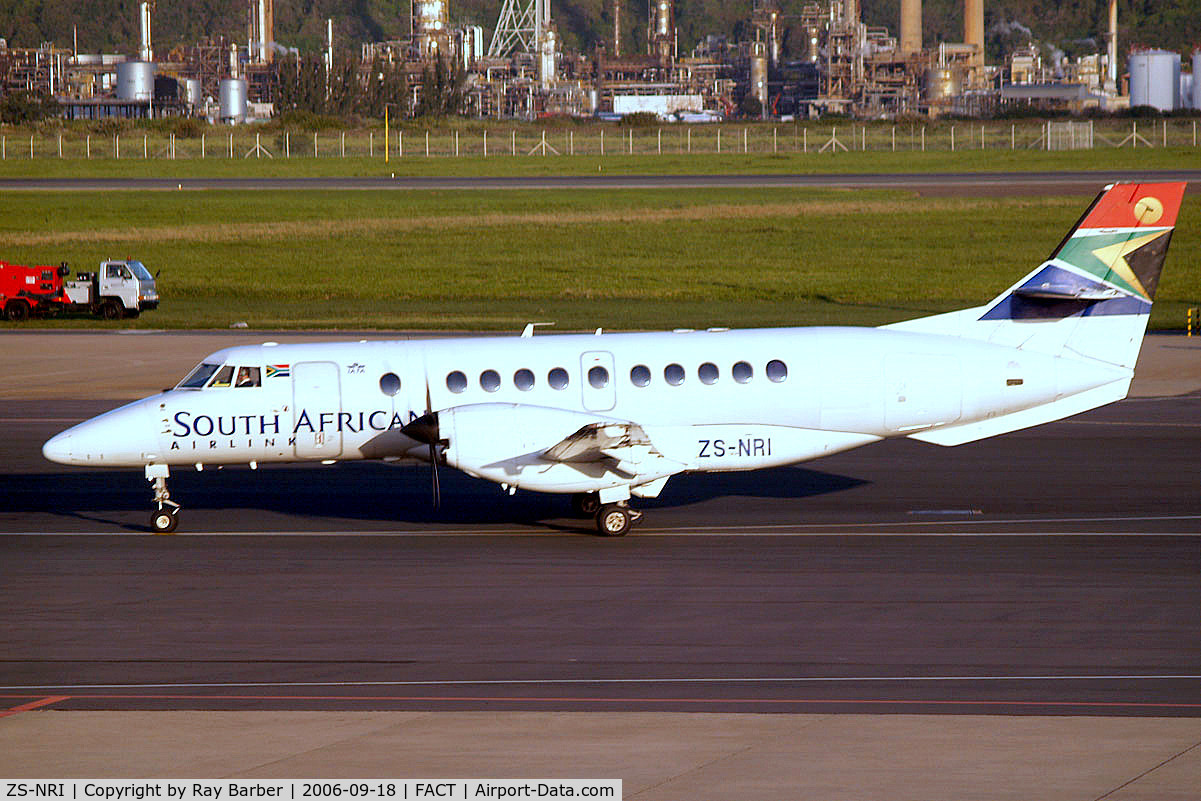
(942, 84)
(135, 80)
(1196, 83)
(1186, 90)
(192, 92)
(1155, 79)
(231, 100)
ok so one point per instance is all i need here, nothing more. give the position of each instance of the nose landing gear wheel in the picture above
(164, 521)
(165, 516)
(613, 520)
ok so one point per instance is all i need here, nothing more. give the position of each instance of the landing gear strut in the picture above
(165, 517)
(615, 519)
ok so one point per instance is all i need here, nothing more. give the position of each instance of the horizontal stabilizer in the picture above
(1066, 407)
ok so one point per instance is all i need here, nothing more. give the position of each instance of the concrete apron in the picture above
(660, 756)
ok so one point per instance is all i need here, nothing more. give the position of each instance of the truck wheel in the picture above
(17, 311)
(110, 310)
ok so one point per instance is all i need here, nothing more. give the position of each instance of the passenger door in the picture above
(316, 403)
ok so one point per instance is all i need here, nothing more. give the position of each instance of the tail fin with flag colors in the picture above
(1087, 305)
(1092, 297)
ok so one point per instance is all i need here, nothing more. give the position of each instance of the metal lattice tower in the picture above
(518, 28)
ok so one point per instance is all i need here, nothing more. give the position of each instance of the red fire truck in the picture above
(118, 289)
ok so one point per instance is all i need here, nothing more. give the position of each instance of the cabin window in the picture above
(707, 373)
(389, 383)
(523, 379)
(456, 382)
(640, 375)
(742, 372)
(223, 378)
(490, 380)
(199, 376)
(598, 377)
(673, 374)
(248, 377)
(557, 378)
(777, 371)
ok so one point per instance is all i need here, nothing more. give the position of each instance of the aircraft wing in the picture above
(626, 445)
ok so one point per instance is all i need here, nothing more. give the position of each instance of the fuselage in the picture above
(708, 400)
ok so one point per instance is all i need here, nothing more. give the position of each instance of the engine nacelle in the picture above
(504, 442)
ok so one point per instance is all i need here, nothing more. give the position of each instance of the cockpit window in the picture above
(247, 377)
(199, 376)
(223, 378)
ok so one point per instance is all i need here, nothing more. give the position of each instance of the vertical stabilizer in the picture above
(1091, 299)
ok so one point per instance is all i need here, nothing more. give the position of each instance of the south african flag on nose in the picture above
(278, 371)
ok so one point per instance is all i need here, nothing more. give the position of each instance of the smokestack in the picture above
(616, 28)
(1112, 48)
(329, 46)
(911, 26)
(262, 31)
(145, 52)
(973, 28)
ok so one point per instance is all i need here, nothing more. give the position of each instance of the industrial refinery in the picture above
(841, 66)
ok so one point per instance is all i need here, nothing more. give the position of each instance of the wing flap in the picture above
(625, 445)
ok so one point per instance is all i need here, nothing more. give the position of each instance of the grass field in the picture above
(621, 259)
(667, 164)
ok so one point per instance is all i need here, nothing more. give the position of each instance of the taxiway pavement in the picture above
(1034, 599)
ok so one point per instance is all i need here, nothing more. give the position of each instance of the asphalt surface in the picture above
(1051, 571)
(991, 183)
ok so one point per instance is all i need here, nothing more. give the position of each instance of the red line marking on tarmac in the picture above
(16, 710)
(598, 700)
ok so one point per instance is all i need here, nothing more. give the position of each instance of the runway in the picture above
(957, 183)
(1048, 572)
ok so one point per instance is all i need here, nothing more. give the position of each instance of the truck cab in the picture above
(118, 288)
(131, 283)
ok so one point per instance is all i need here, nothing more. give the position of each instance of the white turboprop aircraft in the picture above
(608, 416)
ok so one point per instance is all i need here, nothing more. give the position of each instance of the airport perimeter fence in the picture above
(244, 142)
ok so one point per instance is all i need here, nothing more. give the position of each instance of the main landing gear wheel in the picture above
(585, 504)
(614, 520)
(164, 521)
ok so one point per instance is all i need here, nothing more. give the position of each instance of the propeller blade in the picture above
(425, 429)
(437, 488)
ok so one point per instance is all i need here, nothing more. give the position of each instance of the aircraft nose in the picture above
(120, 438)
(58, 448)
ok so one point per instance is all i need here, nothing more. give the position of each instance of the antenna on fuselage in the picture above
(528, 331)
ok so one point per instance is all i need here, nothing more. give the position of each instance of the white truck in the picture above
(118, 289)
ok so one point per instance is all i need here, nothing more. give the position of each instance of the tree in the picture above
(21, 107)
